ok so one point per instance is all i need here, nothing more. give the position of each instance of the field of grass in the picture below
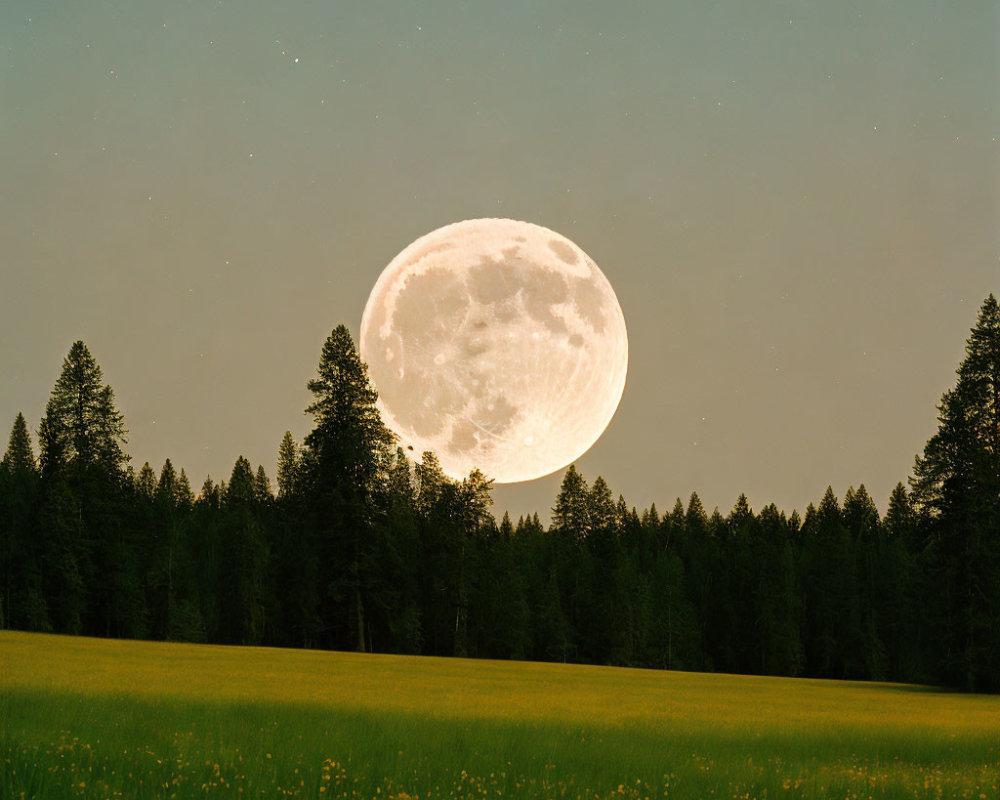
(96, 718)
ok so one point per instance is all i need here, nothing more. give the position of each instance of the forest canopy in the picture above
(359, 548)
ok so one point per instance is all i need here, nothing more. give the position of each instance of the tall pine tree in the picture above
(956, 489)
(288, 464)
(91, 576)
(81, 422)
(22, 602)
(571, 513)
(344, 464)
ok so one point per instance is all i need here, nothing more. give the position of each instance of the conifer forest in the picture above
(355, 547)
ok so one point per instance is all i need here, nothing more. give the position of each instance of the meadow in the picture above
(94, 718)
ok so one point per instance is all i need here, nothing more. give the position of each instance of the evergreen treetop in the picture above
(695, 518)
(573, 504)
(349, 431)
(242, 486)
(262, 486)
(961, 460)
(185, 497)
(602, 505)
(166, 489)
(900, 519)
(288, 464)
(956, 491)
(19, 456)
(145, 482)
(81, 422)
(741, 512)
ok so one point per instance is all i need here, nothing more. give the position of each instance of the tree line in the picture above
(359, 548)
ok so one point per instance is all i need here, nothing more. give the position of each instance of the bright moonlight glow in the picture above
(497, 344)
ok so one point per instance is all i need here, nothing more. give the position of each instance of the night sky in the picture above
(798, 205)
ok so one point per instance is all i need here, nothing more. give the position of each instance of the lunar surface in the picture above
(497, 344)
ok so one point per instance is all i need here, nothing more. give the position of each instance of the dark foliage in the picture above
(363, 549)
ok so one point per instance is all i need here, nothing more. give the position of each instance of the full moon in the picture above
(497, 344)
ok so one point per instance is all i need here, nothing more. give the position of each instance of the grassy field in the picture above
(95, 718)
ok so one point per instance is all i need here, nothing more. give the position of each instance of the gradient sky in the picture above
(798, 205)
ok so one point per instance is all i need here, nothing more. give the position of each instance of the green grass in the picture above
(97, 718)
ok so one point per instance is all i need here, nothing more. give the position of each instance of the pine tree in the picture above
(399, 557)
(795, 523)
(246, 559)
(571, 513)
(476, 500)
(241, 488)
(22, 602)
(349, 439)
(210, 493)
(776, 597)
(81, 421)
(434, 493)
(677, 516)
(166, 488)
(833, 614)
(716, 607)
(211, 568)
(900, 518)
(740, 568)
(861, 518)
(472, 517)
(166, 553)
(501, 603)
(602, 513)
(430, 482)
(956, 490)
(696, 548)
(145, 482)
(90, 567)
(288, 464)
(262, 486)
(295, 556)
(185, 497)
(344, 464)
(695, 518)
(19, 456)
(903, 576)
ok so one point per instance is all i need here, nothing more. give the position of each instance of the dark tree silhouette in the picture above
(956, 489)
(362, 549)
(571, 513)
(22, 604)
(344, 462)
(288, 464)
(81, 421)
